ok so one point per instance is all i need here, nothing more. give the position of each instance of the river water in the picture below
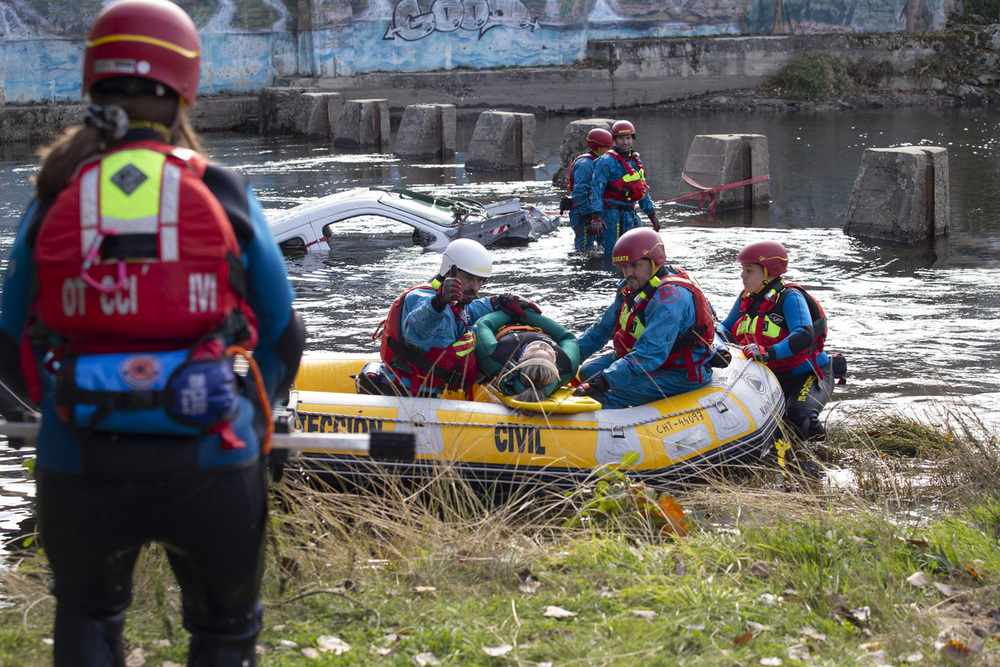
(917, 324)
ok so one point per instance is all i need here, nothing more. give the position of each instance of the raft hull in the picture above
(673, 441)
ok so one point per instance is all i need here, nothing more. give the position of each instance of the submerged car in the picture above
(436, 221)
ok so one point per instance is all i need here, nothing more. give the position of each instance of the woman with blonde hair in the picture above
(138, 273)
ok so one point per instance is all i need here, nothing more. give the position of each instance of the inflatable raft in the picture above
(495, 440)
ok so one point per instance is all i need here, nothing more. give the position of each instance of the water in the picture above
(918, 325)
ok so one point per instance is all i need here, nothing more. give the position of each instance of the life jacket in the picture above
(762, 322)
(585, 156)
(632, 322)
(139, 291)
(453, 367)
(631, 187)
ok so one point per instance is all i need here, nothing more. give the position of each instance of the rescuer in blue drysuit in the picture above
(428, 338)
(659, 323)
(617, 185)
(580, 174)
(142, 468)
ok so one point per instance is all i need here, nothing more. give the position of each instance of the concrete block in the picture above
(574, 143)
(317, 114)
(279, 109)
(715, 161)
(426, 130)
(502, 141)
(901, 195)
(363, 123)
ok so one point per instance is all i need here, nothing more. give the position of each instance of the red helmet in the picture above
(639, 243)
(599, 138)
(149, 39)
(622, 128)
(769, 254)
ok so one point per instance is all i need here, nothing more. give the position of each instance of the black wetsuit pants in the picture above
(805, 397)
(211, 526)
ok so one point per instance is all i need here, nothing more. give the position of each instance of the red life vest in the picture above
(453, 367)
(632, 322)
(585, 156)
(136, 254)
(628, 188)
(756, 324)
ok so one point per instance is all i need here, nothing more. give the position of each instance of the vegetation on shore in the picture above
(891, 557)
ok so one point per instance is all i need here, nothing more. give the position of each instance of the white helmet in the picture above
(468, 255)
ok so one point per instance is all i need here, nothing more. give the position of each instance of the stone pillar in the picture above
(717, 160)
(502, 141)
(574, 143)
(901, 195)
(426, 130)
(298, 111)
(363, 123)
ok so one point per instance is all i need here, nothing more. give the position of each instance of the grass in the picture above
(898, 564)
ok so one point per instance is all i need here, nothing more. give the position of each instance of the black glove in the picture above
(656, 222)
(565, 204)
(450, 291)
(596, 225)
(514, 305)
(597, 385)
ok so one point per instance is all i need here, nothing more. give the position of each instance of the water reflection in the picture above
(916, 323)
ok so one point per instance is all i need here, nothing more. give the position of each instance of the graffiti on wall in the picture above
(411, 22)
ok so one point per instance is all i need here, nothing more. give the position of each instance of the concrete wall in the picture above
(251, 44)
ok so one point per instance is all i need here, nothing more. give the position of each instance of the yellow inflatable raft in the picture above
(494, 439)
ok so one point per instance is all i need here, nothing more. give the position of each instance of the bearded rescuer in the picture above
(780, 324)
(617, 185)
(428, 338)
(661, 326)
(137, 274)
(599, 141)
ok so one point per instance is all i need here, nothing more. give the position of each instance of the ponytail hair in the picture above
(103, 129)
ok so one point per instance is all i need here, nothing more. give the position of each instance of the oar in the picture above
(379, 445)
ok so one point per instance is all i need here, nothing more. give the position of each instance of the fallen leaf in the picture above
(557, 612)
(498, 651)
(335, 645)
(918, 579)
(761, 569)
(527, 582)
(914, 658)
(976, 574)
(945, 589)
(743, 639)
(799, 653)
(287, 643)
(771, 662)
(870, 646)
(877, 658)
(426, 659)
(647, 614)
(759, 627)
(697, 627)
(811, 633)
(137, 658)
(383, 651)
(162, 643)
(310, 652)
(420, 590)
(171, 663)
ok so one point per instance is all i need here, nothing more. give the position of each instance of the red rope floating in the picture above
(709, 193)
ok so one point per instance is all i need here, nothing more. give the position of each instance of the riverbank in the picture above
(893, 560)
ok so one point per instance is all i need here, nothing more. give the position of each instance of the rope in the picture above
(709, 193)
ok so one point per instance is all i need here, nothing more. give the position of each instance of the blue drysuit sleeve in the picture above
(14, 306)
(424, 328)
(599, 181)
(799, 323)
(583, 170)
(670, 313)
(270, 296)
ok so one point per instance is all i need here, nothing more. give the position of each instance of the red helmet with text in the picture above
(599, 138)
(622, 128)
(639, 243)
(148, 39)
(769, 254)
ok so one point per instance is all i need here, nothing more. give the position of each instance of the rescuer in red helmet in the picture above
(599, 141)
(778, 323)
(660, 323)
(141, 270)
(617, 185)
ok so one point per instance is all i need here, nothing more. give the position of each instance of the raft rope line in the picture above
(546, 415)
(709, 193)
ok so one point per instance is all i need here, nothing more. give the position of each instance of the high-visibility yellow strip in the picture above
(187, 53)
